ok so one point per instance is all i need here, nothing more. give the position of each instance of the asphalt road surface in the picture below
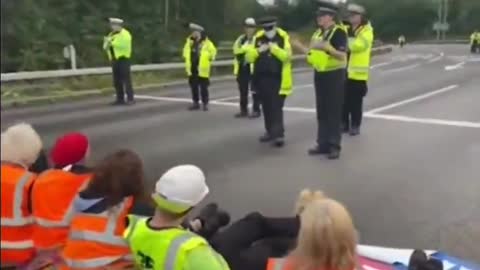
(412, 179)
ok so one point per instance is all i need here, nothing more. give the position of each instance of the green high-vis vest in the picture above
(119, 44)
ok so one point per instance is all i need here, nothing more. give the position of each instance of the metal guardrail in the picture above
(62, 73)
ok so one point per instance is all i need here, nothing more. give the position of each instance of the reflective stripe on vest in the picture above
(278, 264)
(17, 244)
(97, 262)
(107, 237)
(18, 219)
(67, 218)
(174, 250)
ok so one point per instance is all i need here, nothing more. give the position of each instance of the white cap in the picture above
(180, 188)
(196, 27)
(115, 20)
(354, 8)
(250, 22)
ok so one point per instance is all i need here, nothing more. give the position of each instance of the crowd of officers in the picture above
(339, 54)
(75, 216)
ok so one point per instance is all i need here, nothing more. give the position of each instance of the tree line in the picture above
(35, 32)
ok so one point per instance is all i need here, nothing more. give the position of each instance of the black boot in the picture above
(255, 114)
(354, 131)
(279, 142)
(334, 153)
(242, 114)
(265, 138)
(318, 150)
(205, 107)
(194, 107)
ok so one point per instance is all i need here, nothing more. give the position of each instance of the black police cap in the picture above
(267, 21)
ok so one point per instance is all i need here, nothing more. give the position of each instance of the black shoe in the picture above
(205, 107)
(241, 115)
(318, 150)
(118, 103)
(334, 154)
(131, 102)
(255, 115)
(354, 131)
(194, 107)
(345, 128)
(265, 138)
(279, 142)
(433, 264)
(417, 259)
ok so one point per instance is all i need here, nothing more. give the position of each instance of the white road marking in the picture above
(413, 99)
(438, 58)
(453, 67)
(431, 121)
(401, 68)
(464, 124)
(382, 64)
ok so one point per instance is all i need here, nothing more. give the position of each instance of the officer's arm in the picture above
(213, 51)
(251, 53)
(186, 49)
(238, 48)
(284, 54)
(361, 43)
(122, 41)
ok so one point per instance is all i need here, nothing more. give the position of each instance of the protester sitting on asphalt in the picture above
(20, 147)
(95, 239)
(159, 242)
(53, 195)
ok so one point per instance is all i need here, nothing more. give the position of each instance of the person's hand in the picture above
(264, 48)
(319, 45)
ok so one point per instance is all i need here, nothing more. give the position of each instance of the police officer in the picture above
(271, 54)
(243, 70)
(401, 41)
(475, 41)
(198, 53)
(118, 45)
(328, 57)
(360, 48)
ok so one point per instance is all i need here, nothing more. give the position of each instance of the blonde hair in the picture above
(20, 144)
(327, 237)
(305, 197)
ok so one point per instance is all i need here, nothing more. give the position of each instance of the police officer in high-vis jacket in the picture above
(243, 71)
(272, 74)
(118, 45)
(198, 54)
(360, 48)
(328, 57)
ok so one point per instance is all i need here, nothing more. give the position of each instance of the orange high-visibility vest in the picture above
(52, 198)
(96, 240)
(16, 222)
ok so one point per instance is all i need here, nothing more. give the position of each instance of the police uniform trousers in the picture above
(122, 79)
(268, 88)
(475, 46)
(199, 88)
(355, 91)
(245, 85)
(329, 94)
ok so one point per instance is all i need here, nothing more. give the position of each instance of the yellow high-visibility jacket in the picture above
(208, 52)
(120, 43)
(360, 47)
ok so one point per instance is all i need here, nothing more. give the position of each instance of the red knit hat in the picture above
(69, 149)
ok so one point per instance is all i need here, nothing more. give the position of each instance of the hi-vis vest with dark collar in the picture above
(320, 60)
(360, 47)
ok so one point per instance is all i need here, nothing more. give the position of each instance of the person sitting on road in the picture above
(54, 192)
(101, 209)
(327, 240)
(159, 242)
(20, 147)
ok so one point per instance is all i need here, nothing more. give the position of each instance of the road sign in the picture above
(438, 26)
